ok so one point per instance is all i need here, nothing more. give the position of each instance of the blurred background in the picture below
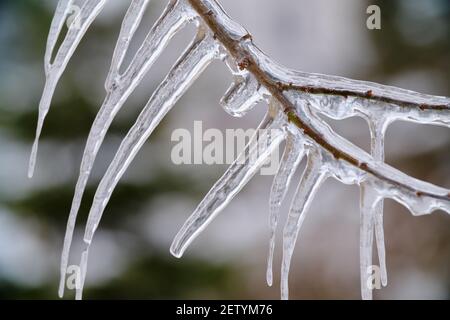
(130, 255)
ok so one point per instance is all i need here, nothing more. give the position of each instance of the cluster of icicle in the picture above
(418, 196)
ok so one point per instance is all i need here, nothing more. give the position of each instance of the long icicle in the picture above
(186, 70)
(372, 218)
(130, 23)
(233, 180)
(62, 11)
(313, 176)
(77, 29)
(118, 91)
(367, 222)
(293, 154)
(378, 130)
(129, 26)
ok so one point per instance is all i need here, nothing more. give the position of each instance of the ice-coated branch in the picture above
(270, 75)
(340, 98)
(295, 98)
(377, 130)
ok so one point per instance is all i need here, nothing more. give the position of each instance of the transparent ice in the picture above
(309, 95)
(55, 68)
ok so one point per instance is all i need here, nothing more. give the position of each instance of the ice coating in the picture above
(119, 88)
(242, 96)
(296, 99)
(213, 8)
(59, 18)
(340, 87)
(367, 222)
(313, 176)
(248, 162)
(293, 154)
(377, 129)
(410, 102)
(54, 70)
(373, 190)
(129, 25)
(185, 71)
(418, 196)
(83, 270)
(339, 107)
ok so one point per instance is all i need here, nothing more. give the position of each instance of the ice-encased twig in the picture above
(313, 176)
(119, 90)
(418, 196)
(185, 71)
(335, 96)
(293, 154)
(379, 238)
(341, 107)
(322, 86)
(233, 180)
(53, 71)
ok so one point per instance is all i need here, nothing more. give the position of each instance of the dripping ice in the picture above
(291, 158)
(54, 69)
(119, 88)
(245, 91)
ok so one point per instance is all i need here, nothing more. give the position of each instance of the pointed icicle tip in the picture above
(175, 252)
(33, 157)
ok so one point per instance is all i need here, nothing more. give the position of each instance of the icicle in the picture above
(183, 74)
(130, 23)
(77, 29)
(234, 179)
(368, 199)
(83, 269)
(343, 107)
(418, 196)
(242, 96)
(372, 217)
(313, 176)
(118, 91)
(293, 154)
(377, 133)
(379, 237)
